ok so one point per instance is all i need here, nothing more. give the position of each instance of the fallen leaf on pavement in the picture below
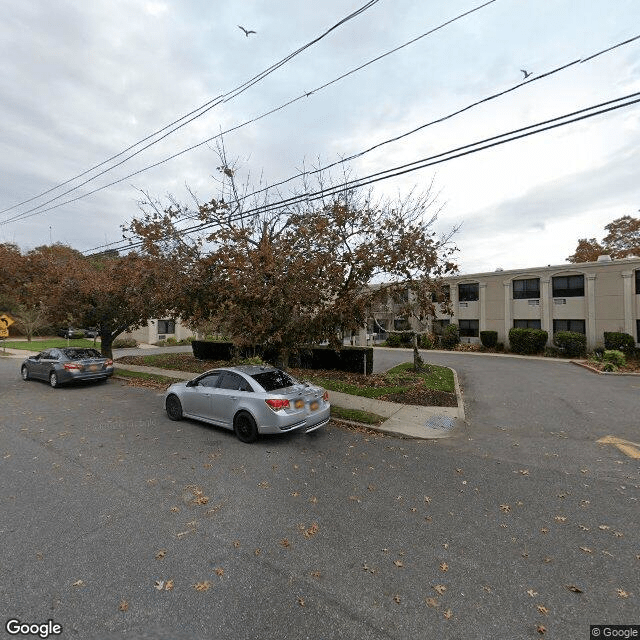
(622, 593)
(505, 508)
(202, 586)
(444, 567)
(586, 549)
(440, 588)
(311, 531)
(124, 605)
(161, 554)
(398, 563)
(532, 593)
(573, 588)
(541, 629)
(542, 609)
(448, 614)
(432, 602)
(301, 601)
(78, 583)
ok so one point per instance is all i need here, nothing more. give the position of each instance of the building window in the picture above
(527, 324)
(166, 326)
(525, 289)
(468, 292)
(569, 325)
(469, 328)
(568, 286)
(438, 326)
(638, 330)
(638, 281)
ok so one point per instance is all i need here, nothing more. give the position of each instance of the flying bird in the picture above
(246, 31)
(526, 73)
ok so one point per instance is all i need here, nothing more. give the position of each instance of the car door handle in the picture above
(234, 397)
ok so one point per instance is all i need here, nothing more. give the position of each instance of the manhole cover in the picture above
(440, 422)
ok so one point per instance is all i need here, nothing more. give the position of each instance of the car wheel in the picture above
(245, 428)
(53, 379)
(174, 408)
(25, 372)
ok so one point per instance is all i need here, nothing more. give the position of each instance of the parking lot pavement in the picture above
(118, 522)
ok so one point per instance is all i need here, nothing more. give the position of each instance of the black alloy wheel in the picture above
(245, 428)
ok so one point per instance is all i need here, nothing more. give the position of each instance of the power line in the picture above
(199, 111)
(410, 132)
(35, 209)
(452, 154)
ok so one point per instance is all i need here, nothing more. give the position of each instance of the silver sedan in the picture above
(58, 366)
(251, 400)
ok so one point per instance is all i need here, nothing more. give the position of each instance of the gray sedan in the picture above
(251, 400)
(58, 366)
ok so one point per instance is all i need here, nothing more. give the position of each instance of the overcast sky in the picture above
(81, 81)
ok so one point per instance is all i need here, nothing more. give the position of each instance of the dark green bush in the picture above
(124, 343)
(618, 341)
(400, 339)
(451, 336)
(527, 341)
(571, 343)
(489, 339)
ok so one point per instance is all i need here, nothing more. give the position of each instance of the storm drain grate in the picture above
(440, 422)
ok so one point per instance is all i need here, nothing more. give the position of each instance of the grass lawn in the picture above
(398, 380)
(147, 379)
(50, 343)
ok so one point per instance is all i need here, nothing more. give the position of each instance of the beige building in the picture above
(588, 297)
(159, 329)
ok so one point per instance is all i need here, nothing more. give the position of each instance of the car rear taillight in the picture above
(108, 363)
(277, 403)
(325, 396)
(71, 366)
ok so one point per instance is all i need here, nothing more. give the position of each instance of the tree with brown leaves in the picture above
(281, 277)
(623, 239)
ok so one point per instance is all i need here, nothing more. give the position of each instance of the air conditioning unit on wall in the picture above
(559, 301)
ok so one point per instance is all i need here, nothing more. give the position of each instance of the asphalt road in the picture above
(116, 522)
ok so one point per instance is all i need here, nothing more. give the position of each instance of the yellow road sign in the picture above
(6, 320)
(631, 449)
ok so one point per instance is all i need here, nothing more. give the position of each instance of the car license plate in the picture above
(314, 405)
(93, 367)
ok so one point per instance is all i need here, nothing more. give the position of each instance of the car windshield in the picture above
(72, 354)
(274, 379)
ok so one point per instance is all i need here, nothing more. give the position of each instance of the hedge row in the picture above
(352, 359)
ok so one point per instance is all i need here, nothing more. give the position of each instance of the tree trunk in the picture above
(106, 342)
(418, 362)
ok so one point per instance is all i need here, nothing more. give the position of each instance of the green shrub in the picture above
(571, 343)
(426, 341)
(400, 339)
(124, 343)
(614, 357)
(552, 352)
(489, 339)
(451, 336)
(527, 341)
(618, 341)
(394, 340)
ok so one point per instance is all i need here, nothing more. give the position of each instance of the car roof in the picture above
(247, 369)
